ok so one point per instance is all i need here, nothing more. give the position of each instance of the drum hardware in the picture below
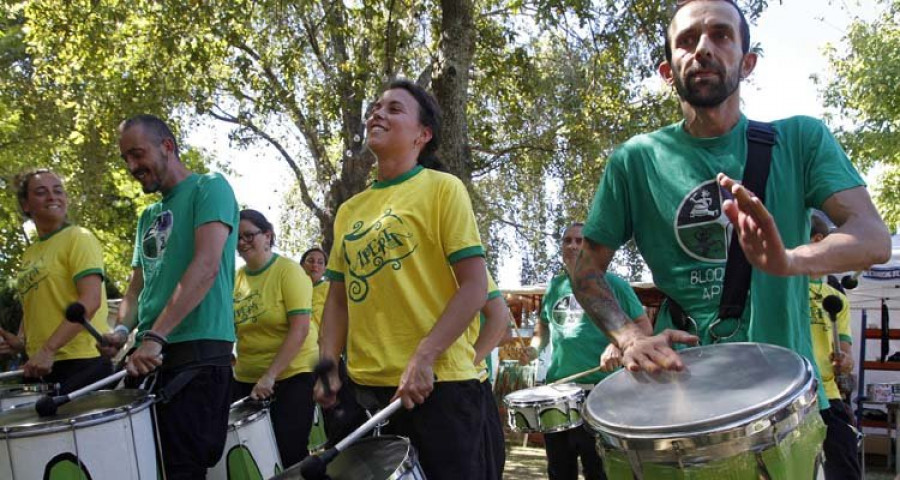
(46, 406)
(11, 374)
(313, 467)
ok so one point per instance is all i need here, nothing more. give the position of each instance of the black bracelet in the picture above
(154, 337)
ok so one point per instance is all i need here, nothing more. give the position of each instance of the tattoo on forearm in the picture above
(596, 298)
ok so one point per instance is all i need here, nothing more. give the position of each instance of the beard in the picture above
(707, 93)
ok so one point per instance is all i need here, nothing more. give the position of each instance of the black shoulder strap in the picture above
(760, 139)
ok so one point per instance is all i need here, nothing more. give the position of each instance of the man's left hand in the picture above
(145, 359)
(842, 362)
(757, 232)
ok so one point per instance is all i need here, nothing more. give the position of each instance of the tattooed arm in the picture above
(640, 351)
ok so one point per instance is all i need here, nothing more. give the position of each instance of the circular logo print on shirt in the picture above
(701, 227)
(153, 244)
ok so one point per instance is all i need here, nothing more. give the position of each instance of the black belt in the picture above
(197, 353)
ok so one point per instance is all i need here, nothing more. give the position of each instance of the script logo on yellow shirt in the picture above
(247, 309)
(30, 277)
(368, 249)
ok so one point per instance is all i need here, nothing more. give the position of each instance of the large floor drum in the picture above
(741, 411)
(20, 394)
(105, 434)
(250, 449)
(387, 457)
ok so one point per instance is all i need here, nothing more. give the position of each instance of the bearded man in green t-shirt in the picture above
(674, 192)
(180, 297)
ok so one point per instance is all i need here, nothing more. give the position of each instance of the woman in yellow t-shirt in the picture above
(63, 266)
(276, 343)
(407, 278)
(313, 262)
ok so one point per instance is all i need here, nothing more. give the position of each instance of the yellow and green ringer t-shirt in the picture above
(320, 294)
(263, 301)
(821, 328)
(46, 284)
(394, 247)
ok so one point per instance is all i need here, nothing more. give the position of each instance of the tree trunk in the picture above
(451, 83)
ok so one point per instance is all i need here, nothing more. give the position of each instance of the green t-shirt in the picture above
(660, 189)
(164, 247)
(577, 342)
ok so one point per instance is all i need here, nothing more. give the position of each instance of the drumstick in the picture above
(46, 406)
(313, 467)
(75, 313)
(577, 375)
(11, 374)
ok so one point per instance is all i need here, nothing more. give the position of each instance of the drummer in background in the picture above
(180, 297)
(840, 447)
(64, 265)
(577, 346)
(407, 278)
(276, 342)
(664, 190)
(313, 262)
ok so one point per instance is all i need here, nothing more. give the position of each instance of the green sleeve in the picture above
(608, 222)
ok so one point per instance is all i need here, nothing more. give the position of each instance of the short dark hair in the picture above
(745, 27)
(311, 250)
(429, 116)
(153, 125)
(22, 180)
(259, 221)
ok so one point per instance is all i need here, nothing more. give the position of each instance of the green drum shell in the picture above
(699, 440)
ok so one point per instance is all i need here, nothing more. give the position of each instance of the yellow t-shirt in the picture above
(320, 293)
(394, 245)
(821, 328)
(263, 301)
(475, 327)
(46, 284)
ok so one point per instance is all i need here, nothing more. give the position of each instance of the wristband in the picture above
(125, 331)
(154, 337)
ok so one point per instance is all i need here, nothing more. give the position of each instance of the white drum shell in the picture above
(117, 444)
(253, 431)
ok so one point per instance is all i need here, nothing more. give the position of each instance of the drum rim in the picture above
(721, 423)
(574, 395)
(251, 418)
(16, 389)
(81, 421)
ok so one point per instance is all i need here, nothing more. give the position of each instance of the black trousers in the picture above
(494, 443)
(193, 423)
(447, 430)
(292, 414)
(74, 374)
(347, 415)
(841, 451)
(565, 448)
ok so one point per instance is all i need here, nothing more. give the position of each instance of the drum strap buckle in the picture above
(376, 430)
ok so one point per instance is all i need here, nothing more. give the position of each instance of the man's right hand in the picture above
(652, 354)
(114, 342)
(10, 343)
(327, 399)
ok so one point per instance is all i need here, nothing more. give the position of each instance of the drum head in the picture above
(544, 392)
(91, 406)
(373, 458)
(721, 384)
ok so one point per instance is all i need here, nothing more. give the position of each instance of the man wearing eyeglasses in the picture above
(180, 297)
(671, 190)
(577, 346)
